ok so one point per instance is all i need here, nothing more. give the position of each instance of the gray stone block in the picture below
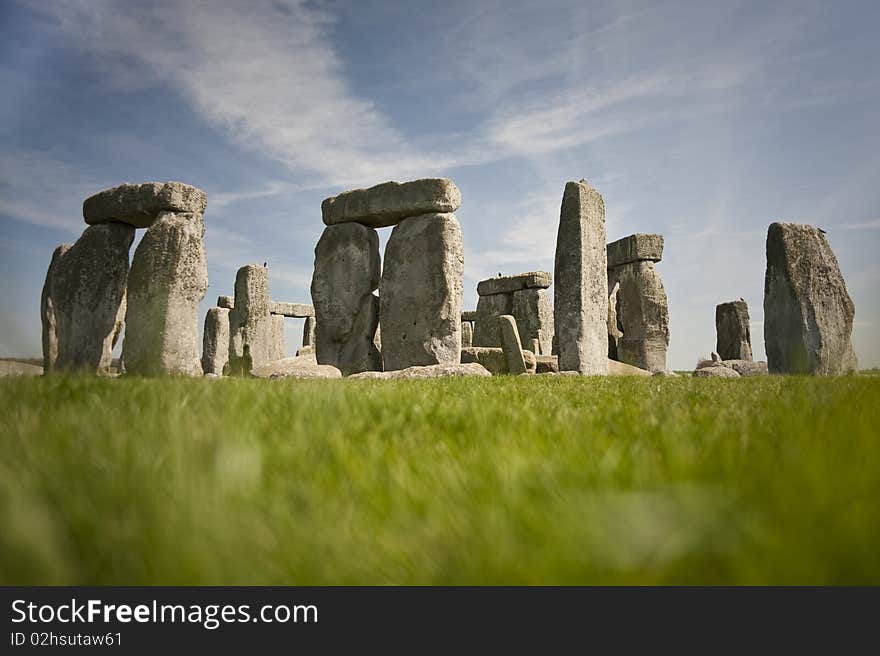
(215, 341)
(734, 338)
(635, 248)
(388, 203)
(140, 204)
(508, 284)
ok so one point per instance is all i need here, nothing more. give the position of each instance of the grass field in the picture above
(534, 480)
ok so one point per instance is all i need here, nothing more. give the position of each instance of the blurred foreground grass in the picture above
(469, 481)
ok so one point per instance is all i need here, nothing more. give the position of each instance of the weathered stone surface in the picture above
(215, 341)
(666, 374)
(305, 366)
(534, 318)
(715, 357)
(16, 369)
(388, 203)
(469, 315)
(580, 290)
(511, 345)
(487, 330)
(615, 330)
(715, 372)
(546, 364)
(734, 338)
(346, 273)
(420, 292)
(427, 371)
(140, 204)
(508, 284)
(255, 335)
(635, 248)
(746, 367)
(85, 296)
(306, 350)
(467, 334)
(168, 280)
(47, 311)
(808, 313)
(295, 310)
(226, 302)
(642, 313)
(309, 331)
(494, 359)
(622, 369)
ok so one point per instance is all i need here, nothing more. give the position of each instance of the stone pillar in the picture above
(808, 313)
(168, 280)
(511, 345)
(467, 334)
(215, 341)
(255, 336)
(309, 331)
(421, 292)
(525, 297)
(83, 300)
(581, 291)
(640, 332)
(734, 339)
(346, 273)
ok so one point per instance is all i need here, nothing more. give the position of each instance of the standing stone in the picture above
(487, 329)
(346, 273)
(732, 328)
(255, 336)
(47, 312)
(309, 331)
(534, 317)
(615, 332)
(808, 313)
(215, 341)
(467, 334)
(87, 296)
(581, 291)
(511, 344)
(643, 314)
(168, 280)
(421, 292)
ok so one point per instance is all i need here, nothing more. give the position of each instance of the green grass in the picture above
(471, 481)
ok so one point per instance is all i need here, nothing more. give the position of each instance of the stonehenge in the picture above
(808, 313)
(525, 297)
(580, 293)
(256, 336)
(638, 314)
(734, 339)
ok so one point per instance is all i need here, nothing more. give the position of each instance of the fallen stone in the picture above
(388, 203)
(534, 318)
(168, 280)
(467, 334)
(642, 313)
(508, 284)
(47, 312)
(15, 369)
(295, 310)
(429, 371)
(666, 373)
(487, 330)
(511, 345)
(808, 313)
(494, 359)
(581, 284)
(85, 289)
(215, 341)
(346, 273)
(298, 367)
(635, 248)
(734, 339)
(746, 367)
(546, 364)
(420, 292)
(140, 204)
(622, 369)
(716, 372)
(226, 302)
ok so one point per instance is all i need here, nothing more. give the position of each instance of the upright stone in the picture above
(487, 329)
(511, 344)
(467, 334)
(215, 341)
(309, 331)
(534, 317)
(87, 296)
(346, 273)
(47, 312)
(642, 312)
(253, 332)
(581, 283)
(421, 292)
(732, 328)
(169, 278)
(808, 313)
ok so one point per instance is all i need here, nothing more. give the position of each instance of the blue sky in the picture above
(703, 121)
